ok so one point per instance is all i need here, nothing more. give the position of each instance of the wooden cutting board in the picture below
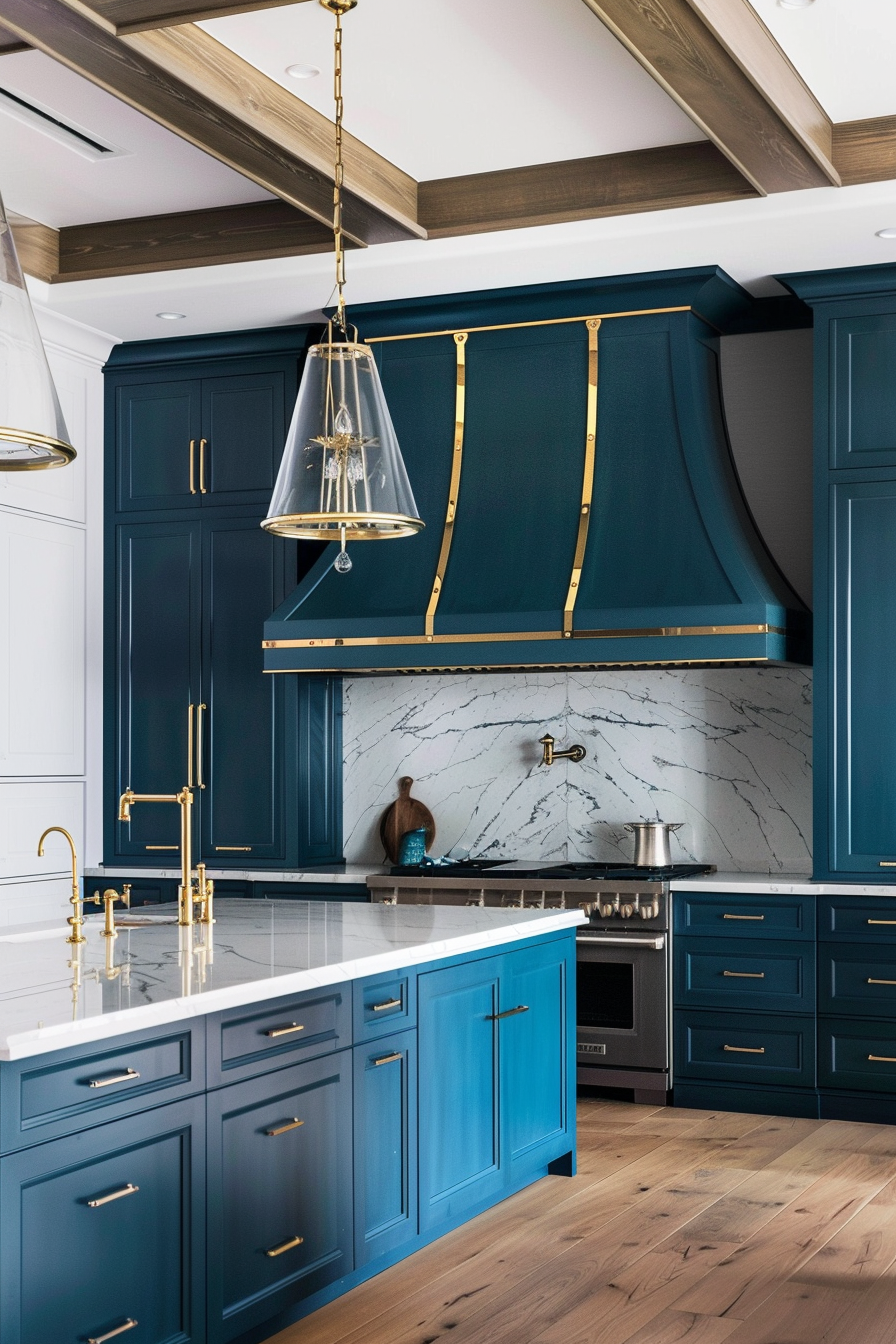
(405, 814)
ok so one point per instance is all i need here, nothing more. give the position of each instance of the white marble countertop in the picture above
(160, 973)
(781, 884)
(346, 872)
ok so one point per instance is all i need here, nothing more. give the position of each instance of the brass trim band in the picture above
(460, 341)
(65, 450)
(641, 664)
(593, 325)
(542, 322)
(522, 635)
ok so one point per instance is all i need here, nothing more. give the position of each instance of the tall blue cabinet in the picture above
(195, 429)
(855, 570)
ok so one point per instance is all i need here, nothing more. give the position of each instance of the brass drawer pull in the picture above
(744, 1049)
(751, 917)
(745, 975)
(284, 1246)
(100, 1200)
(883, 1059)
(881, 982)
(233, 849)
(283, 1129)
(285, 1031)
(508, 1012)
(160, 846)
(887, 863)
(129, 1324)
(882, 921)
(192, 466)
(381, 1007)
(388, 1059)
(127, 1077)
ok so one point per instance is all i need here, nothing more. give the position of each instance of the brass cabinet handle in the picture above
(129, 1324)
(167, 847)
(283, 1129)
(284, 1246)
(190, 746)
(883, 1059)
(202, 447)
(887, 863)
(388, 1059)
(233, 849)
(381, 1007)
(744, 975)
(508, 1012)
(880, 982)
(127, 1077)
(100, 1200)
(744, 1049)
(199, 710)
(749, 917)
(285, 1031)
(192, 466)
(882, 921)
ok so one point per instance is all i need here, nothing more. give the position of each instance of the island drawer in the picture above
(856, 918)
(748, 973)
(243, 1042)
(47, 1096)
(857, 1055)
(857, 979)
(384, 1003)
(712, 914)
(756, 1047)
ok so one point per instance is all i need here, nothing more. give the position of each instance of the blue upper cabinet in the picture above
(155, 423)
(854, 734)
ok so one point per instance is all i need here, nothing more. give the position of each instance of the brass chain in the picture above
(338, 173)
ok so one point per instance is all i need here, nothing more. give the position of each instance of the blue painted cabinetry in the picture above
(744, 993)
(385, 1081)
(194, 443)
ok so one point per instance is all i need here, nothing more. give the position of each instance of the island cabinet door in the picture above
(385, 1145)
(537, 1072)
(460, 1150)
(103, 1233)
(280, 1191)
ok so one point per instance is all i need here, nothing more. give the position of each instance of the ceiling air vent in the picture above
(68, 133)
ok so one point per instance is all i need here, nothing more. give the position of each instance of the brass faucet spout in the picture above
(184, 799)
(549, 755)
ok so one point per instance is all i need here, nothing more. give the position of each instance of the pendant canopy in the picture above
(32, 429)
(342, 475)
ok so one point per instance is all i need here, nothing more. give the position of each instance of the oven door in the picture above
(622, 1006)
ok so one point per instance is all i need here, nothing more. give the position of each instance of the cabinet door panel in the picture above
(154, 425)
(460, 1157)
(863, 798)
(273, 1181)
(243, 422)
(534, 1060)
(158, 639)
(863, 353)
(250, 722)
(385, 1145)
(319, 768)
(78, 1264)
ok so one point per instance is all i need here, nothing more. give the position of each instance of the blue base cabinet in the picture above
(211, 1182)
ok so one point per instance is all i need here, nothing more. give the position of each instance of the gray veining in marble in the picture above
(725, 751)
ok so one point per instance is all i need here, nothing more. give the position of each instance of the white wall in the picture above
(51, 638)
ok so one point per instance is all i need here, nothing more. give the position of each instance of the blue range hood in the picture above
(567, 450)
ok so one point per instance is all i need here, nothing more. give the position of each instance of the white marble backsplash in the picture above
(728, 752)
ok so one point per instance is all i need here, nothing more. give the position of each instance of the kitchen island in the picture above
(207, 1133)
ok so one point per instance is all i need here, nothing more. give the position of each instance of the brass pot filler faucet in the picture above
(549, 755)
(188, 894)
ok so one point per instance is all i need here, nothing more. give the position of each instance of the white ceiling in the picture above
(845, 50)
(448, 87)
(54, 184)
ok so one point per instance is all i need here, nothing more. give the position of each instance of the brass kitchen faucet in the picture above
(187, 893)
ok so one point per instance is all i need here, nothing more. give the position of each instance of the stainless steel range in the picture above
(623, 954)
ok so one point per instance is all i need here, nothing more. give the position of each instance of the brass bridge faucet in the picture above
(187, 893)
(76, 919)
(110, 896)
(549, 755)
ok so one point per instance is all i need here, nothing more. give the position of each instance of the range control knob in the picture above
(606, 911)
(647, 912)
(627, 910)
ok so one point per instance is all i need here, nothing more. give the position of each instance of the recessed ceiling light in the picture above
(886, 233)
(171, 317)
(302, 71)
(795, 4)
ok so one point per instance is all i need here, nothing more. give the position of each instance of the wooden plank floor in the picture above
(681, 1225)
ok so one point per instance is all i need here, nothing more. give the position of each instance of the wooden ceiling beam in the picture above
(234, 131)
(137, 16)
(553, 193)
(725, 70)
(865, 151)
(37, 247)
(10, 42)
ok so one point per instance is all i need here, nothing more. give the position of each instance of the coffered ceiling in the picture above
(486, 138)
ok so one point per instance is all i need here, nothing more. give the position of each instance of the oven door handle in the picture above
(655, 944)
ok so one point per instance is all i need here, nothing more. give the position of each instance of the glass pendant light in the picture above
(342, 474)
(32, 429)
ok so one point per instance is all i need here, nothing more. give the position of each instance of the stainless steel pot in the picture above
(652, 849)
